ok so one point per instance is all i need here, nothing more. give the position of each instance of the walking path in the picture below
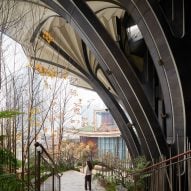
(71, 181)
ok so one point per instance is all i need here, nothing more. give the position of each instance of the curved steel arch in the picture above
(122, 76)
(115, 109)
(119, 116)
(142, 12)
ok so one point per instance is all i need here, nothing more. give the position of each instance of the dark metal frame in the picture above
(115, 109)
(166, 68)
(38, 165)
(79, 15)
(122, 77)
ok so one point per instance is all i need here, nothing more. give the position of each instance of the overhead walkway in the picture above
(71, 181)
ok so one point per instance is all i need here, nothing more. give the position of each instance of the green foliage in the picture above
(7, 158)
(140, 163)
(66, 166)
(9, 182)
(2, 137)
(138, 182)
(133, 178)
(98, 176)
(110, 186)
(96, 162)
(19, 163)
(9, 114)
(105, 182)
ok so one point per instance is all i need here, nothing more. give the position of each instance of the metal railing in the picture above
(47, 175)
(172, 174)
(169, 174)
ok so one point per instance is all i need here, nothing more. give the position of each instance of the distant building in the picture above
(105, 135)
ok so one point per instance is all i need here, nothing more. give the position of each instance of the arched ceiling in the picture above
(88, 40)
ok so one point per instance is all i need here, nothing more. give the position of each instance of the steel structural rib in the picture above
(108, 99)
(151, 29)
(115, 109)
(110, 57)
(119, 116)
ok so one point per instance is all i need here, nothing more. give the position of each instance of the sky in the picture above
(13, 53)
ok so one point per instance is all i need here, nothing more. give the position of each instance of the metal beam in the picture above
(107, 97)
(115, 109)
(152, 31)
(127, 85)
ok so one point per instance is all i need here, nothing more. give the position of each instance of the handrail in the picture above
(50, 165)
(164, 175)
(167, 160)
(149, 168)
(37, 144)
(53, 166)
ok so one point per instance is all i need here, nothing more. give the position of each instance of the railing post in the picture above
(53, 179)
(38, 171)
(59, 183)
(189, 172)
(40, 149)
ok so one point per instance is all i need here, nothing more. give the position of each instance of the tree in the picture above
(8, 181)
(25, 88)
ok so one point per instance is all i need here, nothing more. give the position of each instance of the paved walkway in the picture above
(71, 181)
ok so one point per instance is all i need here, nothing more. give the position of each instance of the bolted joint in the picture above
(129, 125)
(160, 62)
(108, 72)
(164, 115)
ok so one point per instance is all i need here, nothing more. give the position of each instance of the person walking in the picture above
(88, 174)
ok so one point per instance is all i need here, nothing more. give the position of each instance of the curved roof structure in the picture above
(119, 49)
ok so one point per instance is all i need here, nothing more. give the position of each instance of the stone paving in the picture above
(70, 181)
